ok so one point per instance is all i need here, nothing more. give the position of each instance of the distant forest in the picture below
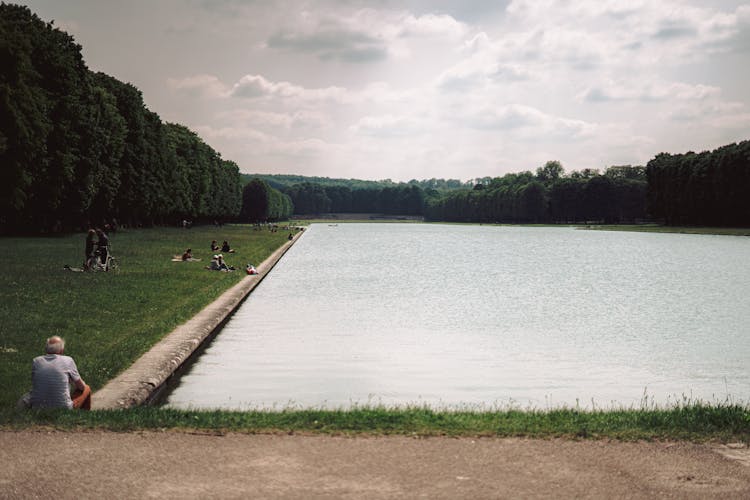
(708, 188)
(79, 148)
(618, 195)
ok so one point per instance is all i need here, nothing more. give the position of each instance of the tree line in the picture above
(549, 196)
(617, 195)
(263, 203)
(708, 188)
(80, 148)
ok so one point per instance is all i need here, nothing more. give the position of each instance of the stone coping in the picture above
(142, 379)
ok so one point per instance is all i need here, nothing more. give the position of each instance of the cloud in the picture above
(362, 36)
(637, 90)
(594, 33)
(199, 86)
(528, 121)
(389, 126)
(303, 119)
(247, 140)
(345, 45)
(430, 25)
(257, 86)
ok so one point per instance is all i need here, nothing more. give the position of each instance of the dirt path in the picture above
(180, 465)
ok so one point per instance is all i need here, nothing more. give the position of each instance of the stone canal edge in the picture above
(138, 383)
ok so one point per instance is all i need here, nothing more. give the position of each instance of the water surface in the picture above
(485, 316)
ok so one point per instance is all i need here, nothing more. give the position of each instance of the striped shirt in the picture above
(51, 376)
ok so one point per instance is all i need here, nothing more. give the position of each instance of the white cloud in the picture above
(199, 85)
(269, 119)
(527, 121)
(639, 90)
(431, 25)
(386, 126)
(257, 86)
(362, 36)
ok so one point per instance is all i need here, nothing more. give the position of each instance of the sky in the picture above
(416, 89)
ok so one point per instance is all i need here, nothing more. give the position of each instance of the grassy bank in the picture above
(109, 319)
(695, 422)
(654, 228)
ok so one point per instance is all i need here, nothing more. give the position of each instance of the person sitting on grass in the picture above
(223, 265)
(225, 247)
(214, 246)
(214, 264)
(51, 378)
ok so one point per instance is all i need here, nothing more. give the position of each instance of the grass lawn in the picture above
(109, 319)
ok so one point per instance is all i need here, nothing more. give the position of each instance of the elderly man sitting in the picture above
(51, 376)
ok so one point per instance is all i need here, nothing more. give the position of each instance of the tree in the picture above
(261, 203)
(550, 172)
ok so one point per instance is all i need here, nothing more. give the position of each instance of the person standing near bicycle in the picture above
(102, 245)
(88, 261)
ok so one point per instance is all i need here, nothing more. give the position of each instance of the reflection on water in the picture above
(485, 316)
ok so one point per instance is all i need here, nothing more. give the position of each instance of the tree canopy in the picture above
(79, 148)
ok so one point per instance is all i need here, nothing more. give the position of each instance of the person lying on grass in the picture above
(51, 378)
(185, 257)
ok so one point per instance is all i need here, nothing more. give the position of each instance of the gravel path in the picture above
(182, 465)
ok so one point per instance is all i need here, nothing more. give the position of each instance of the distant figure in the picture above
(89, 251)
(102, 245)
(225, 247)
(188, 255)
(214, 264)
(291, 237)
(223, 265)
(51, 376)
(214, 246)
(250, 269)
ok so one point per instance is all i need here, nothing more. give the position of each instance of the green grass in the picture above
(109, 319)
(695, 422)
(655, 228)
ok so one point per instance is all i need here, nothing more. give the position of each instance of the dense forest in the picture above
(708, 188)
(263, 203)
(549, 196)
(618, 195)
(80, 148)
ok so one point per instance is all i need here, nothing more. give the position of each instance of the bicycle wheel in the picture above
(112, 264)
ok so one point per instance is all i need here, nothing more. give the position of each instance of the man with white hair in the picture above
(51, 376)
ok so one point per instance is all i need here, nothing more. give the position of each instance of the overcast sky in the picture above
(418, 89)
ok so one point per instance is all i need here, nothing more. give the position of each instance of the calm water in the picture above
(483, 317)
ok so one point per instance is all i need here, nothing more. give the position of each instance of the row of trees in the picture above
(618, 195)
(261, 203)
(313, 198)
(79, 147)
(709, 188)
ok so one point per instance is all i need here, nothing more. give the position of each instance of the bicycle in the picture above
(110, 262)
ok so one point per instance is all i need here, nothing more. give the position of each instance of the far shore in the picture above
(646, 228)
